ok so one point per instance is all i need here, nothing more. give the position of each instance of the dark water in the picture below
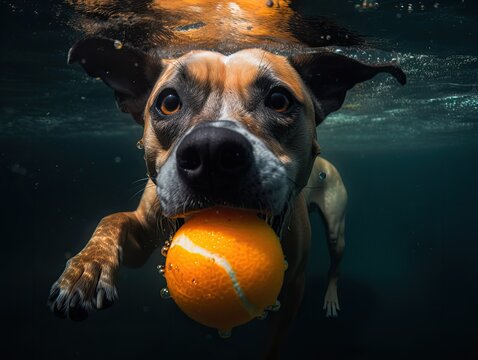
(408, 157)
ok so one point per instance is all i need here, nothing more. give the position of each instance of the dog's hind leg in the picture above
(326, 191)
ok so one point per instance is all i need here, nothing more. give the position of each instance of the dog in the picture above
(235, 130)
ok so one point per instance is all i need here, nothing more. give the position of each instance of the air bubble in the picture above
(161, 269)
(140, 145)
(274, 307)
(262, 316)
(164, 293)
(224, 333)
(164, 250)
(194, 282)
(118, 44)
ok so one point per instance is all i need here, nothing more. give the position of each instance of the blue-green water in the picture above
(408, 157)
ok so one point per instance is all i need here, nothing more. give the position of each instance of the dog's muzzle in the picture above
(213, 161)
(221, 163)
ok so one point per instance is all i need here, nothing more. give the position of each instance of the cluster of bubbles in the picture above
(414, 7)
(366, 4)
(409, 7)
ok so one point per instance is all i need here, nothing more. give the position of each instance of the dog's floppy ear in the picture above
(130, 72)
(330, 75)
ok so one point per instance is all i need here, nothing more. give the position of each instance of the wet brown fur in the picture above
(129, 238)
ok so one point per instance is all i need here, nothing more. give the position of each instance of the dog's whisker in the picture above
(142, 179)
(140, 187)
(140, 191)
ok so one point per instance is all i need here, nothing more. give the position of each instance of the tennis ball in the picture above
(224, 267)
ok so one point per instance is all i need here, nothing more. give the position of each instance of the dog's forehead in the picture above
(240, 69)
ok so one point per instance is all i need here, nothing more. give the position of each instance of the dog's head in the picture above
(236, 130)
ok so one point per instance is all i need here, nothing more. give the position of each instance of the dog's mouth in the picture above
(221, 164)
(276, 222)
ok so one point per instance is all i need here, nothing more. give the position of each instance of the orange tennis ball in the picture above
(224, 267)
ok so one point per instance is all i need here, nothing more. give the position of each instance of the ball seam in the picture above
(186, 243)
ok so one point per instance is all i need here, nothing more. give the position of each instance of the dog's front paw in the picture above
(85, 285)
(331, 301)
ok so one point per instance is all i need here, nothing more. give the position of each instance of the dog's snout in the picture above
(213, 159)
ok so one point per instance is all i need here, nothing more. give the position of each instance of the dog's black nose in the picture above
(213, 160)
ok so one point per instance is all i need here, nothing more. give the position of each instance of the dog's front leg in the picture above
(88, 281)
(295, 243)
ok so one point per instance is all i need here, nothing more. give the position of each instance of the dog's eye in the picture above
(168, 102)
(279, 99)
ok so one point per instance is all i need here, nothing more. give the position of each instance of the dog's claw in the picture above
(55, 291)
(331, 309)
(331, 301)
(58, 312)
(85, 285)
(99, 299)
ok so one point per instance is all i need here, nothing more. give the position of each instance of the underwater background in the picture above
(408, 157)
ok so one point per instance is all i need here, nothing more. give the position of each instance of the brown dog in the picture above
(234, 130)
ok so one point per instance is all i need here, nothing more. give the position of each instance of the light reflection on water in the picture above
(42, 96)
(441, 97)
